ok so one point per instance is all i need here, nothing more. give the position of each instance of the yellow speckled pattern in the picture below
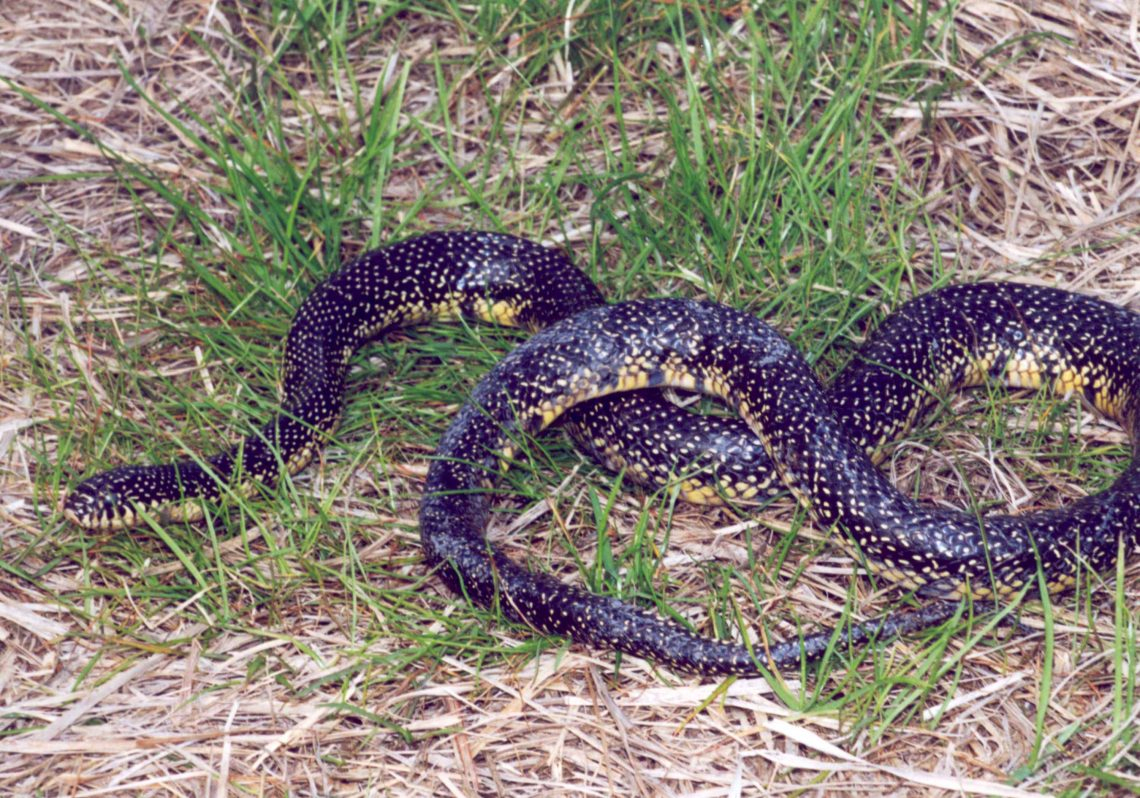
(792, 435)
(1021, 335)
(437, 276)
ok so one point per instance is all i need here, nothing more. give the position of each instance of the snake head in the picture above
(107, 501)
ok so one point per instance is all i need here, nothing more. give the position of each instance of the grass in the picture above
(797, 161)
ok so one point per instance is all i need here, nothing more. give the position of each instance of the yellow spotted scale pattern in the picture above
(1026, 335)
(495, 277)
(1023, 335)
(437, 276)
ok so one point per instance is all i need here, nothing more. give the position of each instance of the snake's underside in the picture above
(792, 433)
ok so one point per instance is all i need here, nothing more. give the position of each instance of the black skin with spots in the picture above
(397, 286)
(931, 340)
(945, 340)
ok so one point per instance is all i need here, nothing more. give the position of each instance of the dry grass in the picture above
(1025, 168)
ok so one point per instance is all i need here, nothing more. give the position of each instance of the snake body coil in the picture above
(959, 336)
(1025, 335)
(493, 277)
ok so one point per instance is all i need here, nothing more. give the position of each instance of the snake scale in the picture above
(819, 444)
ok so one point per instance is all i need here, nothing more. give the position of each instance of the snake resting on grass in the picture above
(790, 432)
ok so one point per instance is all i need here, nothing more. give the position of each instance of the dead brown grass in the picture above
(1030, 173)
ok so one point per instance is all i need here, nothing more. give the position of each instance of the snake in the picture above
(437, 276)
(591, 362)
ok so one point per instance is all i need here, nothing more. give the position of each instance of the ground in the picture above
(175, 176)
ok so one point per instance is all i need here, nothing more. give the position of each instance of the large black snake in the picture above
(819, 443)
